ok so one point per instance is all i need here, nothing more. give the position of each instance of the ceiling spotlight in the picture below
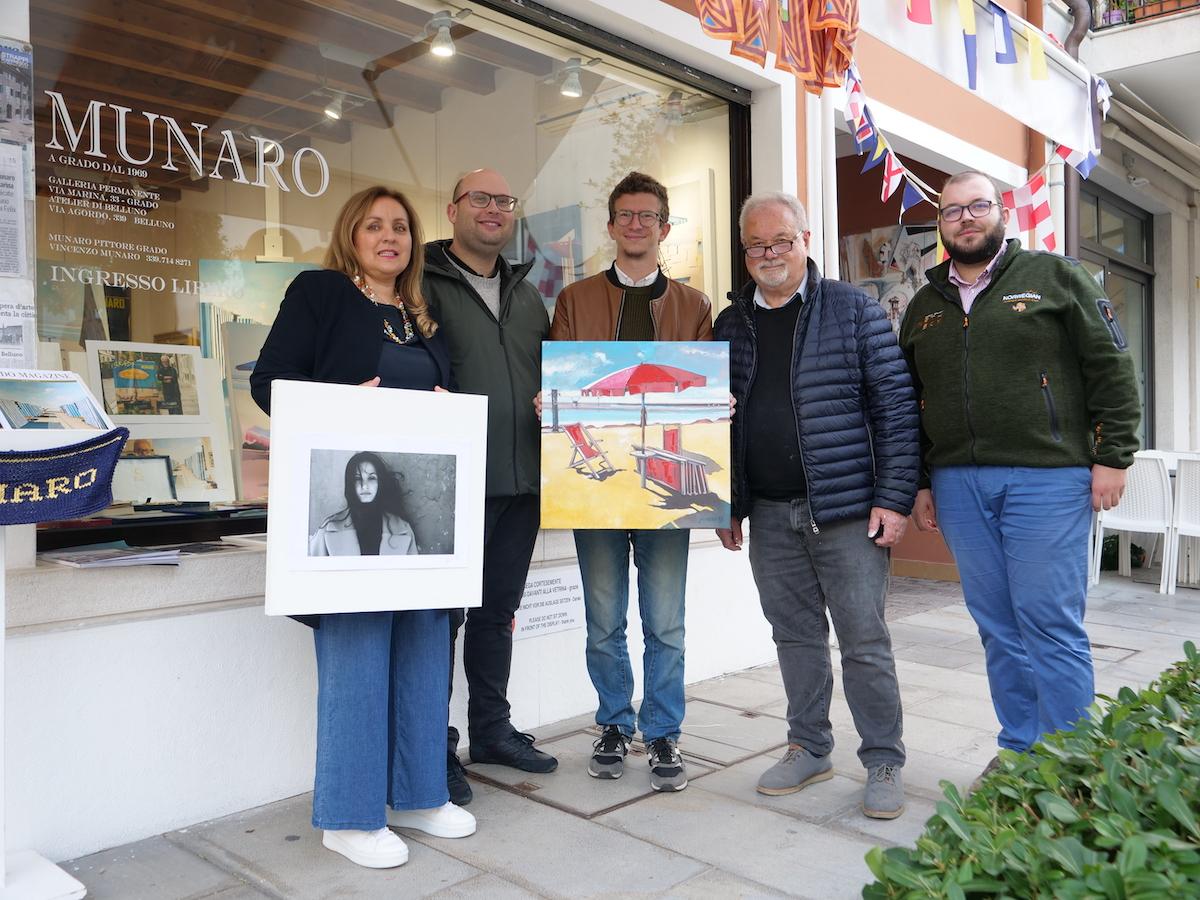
(439, 26)
(334, 109)
(571, 86)
(673, 110)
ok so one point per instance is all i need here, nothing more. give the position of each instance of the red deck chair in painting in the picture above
(586, 452)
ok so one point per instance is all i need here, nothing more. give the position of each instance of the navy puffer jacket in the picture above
(853, 397)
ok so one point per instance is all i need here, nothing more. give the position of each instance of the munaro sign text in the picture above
(70, 136)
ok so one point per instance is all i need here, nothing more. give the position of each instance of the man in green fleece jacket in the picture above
(1029, 415)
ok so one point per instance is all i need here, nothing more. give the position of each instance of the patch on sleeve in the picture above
(1109, 315)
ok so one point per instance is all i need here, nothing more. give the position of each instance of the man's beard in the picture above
(993, 240)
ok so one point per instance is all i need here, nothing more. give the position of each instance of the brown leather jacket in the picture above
(590, 310)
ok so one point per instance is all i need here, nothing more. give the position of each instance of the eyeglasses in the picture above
(482, 199)
(977, 208)
(645, 217)
(758, 251)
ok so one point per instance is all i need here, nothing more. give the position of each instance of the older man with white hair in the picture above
(825, 464)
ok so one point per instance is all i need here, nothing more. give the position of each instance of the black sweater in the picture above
(327, 331)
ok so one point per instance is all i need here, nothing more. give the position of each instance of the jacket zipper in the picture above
(812, 521)
(966, 372)
(1050, 408)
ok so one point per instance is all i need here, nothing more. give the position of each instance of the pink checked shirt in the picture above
(969, 290)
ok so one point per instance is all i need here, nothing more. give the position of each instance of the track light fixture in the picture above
(439, 27)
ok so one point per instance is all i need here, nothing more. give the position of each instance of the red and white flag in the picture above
(893, 175)
(1031, 205)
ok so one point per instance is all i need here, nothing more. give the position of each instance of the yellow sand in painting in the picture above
(572, 498)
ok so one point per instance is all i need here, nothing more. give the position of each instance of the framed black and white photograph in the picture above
(379, 503)
(376, 499)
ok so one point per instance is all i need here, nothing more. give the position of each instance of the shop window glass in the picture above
(1122, 232)
(190, 162)
(1088, 227)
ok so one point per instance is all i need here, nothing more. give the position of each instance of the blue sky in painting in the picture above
(568, 366)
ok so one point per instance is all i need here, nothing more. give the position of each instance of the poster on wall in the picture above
(18, 342)
(889, 264)
(366, 517)
(16, 85)
(635, 434)
(12, 211)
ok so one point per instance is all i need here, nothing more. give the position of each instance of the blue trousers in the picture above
(661, 558)
(381, 716)
(1019, 536)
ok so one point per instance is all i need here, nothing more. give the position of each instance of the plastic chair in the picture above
(1185, 520)
(1145, 508)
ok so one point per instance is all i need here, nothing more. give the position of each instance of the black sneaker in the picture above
(516, 750)
(456, 781)
(608, 754)
(666, 766)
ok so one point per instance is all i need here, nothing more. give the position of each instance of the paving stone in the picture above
(923, 772)
(570, 787)
(920, 674)
(902, 831)
(276, 849)
(759, 844)
(738, 691)
(485, 887)
(815, 803)
(555, 854)
(942, 657)
(717, 885)
(769, 674)
(753, 733)
(955, 619)
(907, 632)
(975, 712)
(947, 739)
(153, 869)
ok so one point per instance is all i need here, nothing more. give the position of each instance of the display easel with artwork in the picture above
(57, 454)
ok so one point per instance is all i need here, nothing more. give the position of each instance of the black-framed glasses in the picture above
(977, 208)
(645, 217)
(482, 199)
(779, 248)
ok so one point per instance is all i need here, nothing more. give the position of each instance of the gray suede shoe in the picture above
(798, 769)
(884, 796)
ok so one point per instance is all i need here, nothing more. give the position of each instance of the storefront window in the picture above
(190, 161)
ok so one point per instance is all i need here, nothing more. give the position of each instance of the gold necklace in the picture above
(388, 331)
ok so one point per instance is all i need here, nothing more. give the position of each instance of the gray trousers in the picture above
(801, 574)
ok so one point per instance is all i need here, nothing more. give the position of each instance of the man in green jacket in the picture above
(494, 322)
(1029, 416)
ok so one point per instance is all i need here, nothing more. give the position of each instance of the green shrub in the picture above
(1109, 809)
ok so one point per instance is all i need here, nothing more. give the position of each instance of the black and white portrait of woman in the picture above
(380, 504)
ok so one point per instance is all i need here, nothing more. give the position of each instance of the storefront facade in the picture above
(189, 160)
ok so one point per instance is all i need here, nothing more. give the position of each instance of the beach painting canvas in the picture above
(635, 434)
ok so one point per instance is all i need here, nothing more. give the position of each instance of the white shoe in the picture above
(380, 849)
(447, 821)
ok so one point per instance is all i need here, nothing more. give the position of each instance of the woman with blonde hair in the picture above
(382, 677)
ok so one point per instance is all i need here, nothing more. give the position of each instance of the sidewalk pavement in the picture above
(568, 835)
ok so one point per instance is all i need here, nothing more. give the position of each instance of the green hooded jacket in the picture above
(1038, 374)
(502, 359)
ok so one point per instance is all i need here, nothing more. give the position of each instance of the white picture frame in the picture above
(201, 463)
(119, 396)
(315, 431)
(144, 479)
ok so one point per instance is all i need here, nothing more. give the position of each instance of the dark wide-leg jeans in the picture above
(510, 530)
(801, 574)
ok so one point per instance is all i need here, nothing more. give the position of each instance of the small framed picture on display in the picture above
(144, 479)
(139, 383)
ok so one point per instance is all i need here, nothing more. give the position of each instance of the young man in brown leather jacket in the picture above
(634, 301)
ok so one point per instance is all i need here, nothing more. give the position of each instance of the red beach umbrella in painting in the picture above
(644, 378)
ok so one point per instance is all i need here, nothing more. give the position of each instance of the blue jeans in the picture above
(800, 575)
(661, 559)
(1019, 536)
(381, 716)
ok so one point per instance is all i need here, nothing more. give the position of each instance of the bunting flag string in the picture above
(920, 12)
(1002, 35)
(814, 38)
(966, 12)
